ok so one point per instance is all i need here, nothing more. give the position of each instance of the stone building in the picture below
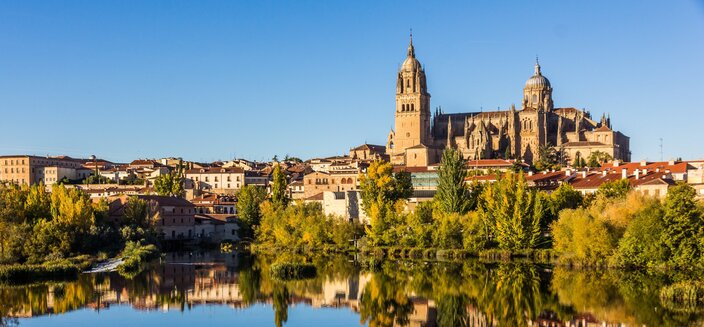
(419, 137)
(27, 169)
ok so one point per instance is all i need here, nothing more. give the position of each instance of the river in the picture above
(217, 289)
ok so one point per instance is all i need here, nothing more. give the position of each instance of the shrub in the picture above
(687, 292)
(134, 255)
(291, 270)
(429, 253)
(33, 273)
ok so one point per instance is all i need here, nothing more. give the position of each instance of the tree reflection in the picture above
(280, 301)
(384, 302)
(468, 293)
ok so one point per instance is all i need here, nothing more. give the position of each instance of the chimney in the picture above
(624, 173)
(616, 163)
(584, 174)
(671, 162)
(530, 173)
(603, 173)
(643, 163)
(637, 173)
(645, 171)
(657, 170)
(568, 172)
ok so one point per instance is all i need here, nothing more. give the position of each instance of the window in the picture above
(413, 107)
(233, 232)
(206, 178)
(228, 178)
(216, 179)
(228, 185)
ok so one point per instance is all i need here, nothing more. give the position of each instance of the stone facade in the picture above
(419, 138)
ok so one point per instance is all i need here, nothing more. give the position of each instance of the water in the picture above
(214, 289)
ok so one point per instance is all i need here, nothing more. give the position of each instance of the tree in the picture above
(170, 184)
(597, 158)
(279, 191)
(548, 157)
(564, 197)
(381, 194)
(452, 195)
(248, 200)
(683, 225)
(513, 211)
(615, 189)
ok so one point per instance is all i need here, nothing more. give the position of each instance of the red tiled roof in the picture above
(490, 163)
(594, 180)
(679, 167)
(216, 170)
(167, 200)
(316, 197)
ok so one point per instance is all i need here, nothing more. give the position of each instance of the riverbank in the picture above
(129, 262)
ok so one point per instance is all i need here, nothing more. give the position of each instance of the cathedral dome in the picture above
(411, 64)
(537, 80)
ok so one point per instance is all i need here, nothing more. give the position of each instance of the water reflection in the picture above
(395, 294)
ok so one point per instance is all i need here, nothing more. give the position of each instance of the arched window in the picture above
(535, 98)
(408, 83)
(413, 107)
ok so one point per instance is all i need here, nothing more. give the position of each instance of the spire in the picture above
(411, 50)
(537, 66)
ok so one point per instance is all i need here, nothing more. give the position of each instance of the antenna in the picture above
(661, 149)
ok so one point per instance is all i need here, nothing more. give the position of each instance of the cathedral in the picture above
(419, 137)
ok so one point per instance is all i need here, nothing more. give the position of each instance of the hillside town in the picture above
(208, 210)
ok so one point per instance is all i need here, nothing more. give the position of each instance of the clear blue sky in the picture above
(209, 80)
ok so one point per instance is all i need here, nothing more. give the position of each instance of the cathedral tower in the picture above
(537, 93)
(412, 117)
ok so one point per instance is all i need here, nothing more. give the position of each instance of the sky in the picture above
(215, 80)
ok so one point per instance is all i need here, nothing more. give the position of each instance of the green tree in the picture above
(642, 244)
(548, 157)
(279, 190)
(452, 195)
(684, 225)
(597, 158)
(513, 211)
(170, 184)
(615, 189)
(564, 197)
(249, 199)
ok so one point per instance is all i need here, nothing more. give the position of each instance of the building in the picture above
(419, 137)
(176, 217)
(217, 179)
(369, 152)
(346, 205)
(215, 204)
(333, 181)
(216, 228)
(27, 169)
